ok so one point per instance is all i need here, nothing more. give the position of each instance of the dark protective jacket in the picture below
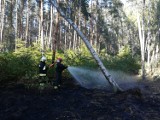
(42, 68)
(59, 68)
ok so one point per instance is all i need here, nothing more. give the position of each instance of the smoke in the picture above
(91, 79)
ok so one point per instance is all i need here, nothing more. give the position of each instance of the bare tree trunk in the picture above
(2, 20)
(58, 37)
(74, 37)
(142, 43)
(149, 39)
(157, 55)
(65, 36)
(54, 44)
(51, 26)
(11, 26)
(16, 23)
(42, 39)
(0, 7)
(79, 26)
(39, 29)
(27, 23)
(92, 51)
(69, 36)
(21, 20)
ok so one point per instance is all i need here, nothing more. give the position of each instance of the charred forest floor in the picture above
(73, 102)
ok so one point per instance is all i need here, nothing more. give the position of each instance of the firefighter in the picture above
(43, 69)
(59, 69)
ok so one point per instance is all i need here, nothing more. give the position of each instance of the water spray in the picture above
(91, 78)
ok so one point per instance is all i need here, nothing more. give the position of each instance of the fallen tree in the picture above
(114, 85)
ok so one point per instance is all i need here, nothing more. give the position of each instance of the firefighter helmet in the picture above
(59, 60)
(43, 58)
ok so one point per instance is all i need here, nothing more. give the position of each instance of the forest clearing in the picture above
(79, 60)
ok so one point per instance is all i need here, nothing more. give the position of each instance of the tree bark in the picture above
(54, 42)
(2, 20)
(142, 41)
(27, 23)
(20, 32)
(42, 39)
(92, 51)
(51, 26)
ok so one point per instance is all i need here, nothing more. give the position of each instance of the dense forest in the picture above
(121, 34)
(115, 39)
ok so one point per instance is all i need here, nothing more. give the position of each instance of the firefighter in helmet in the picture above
(42, 68)
(59, 69)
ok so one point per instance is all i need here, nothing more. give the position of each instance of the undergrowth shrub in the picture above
(15, 67)
(126, 64)
(80, 58)
(123, 61)
(24, 62)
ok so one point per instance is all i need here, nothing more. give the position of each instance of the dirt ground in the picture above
(72, 102)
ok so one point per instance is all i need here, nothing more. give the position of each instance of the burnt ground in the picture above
(72, 102)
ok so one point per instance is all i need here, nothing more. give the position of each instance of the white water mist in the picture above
(91, 79)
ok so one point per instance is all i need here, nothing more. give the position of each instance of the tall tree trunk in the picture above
(51, 26)
(11, 26)
(157, 55)
(27, 23)
(69, 36)
(54, 44)
(42, 39)
(58, 39)
(96, 26)
(142, 43)
(149, 39)
(79, 25)
(65, 35)
(92, 51)
(21, 20)
(16, 24)
(2, 20)
(74, 37)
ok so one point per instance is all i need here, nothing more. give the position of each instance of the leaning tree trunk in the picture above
(92, 51)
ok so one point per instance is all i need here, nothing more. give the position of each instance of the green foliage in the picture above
(23, 64)
(123, 61)
(80, 57)
(33, 51)
(124, 51)
(20, 44)
(14, 67)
